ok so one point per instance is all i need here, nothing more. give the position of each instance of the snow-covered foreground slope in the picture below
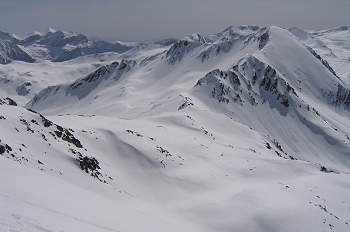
(169, 172)
(43, 203)
(245, 130)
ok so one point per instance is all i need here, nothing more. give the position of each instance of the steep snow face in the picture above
(287, 93)
(333, 45)
(9, 50)
(245, 130)
(302, 70)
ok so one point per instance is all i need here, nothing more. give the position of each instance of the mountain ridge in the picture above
(54, 45)
(259, 82)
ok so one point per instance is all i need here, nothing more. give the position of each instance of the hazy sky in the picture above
(150, 20)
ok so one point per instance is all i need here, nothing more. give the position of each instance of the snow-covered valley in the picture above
(244, 130)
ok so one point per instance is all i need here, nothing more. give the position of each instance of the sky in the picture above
(151, 20)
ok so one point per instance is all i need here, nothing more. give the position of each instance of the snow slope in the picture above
(245, 130)
(183, 172)
(21, 80)
(333, 45)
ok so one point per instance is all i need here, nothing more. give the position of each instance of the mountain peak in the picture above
(195, 37)
(50, 30)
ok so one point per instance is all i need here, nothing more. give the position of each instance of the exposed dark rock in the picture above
(2, 149)
(67, 136)
(89, 165)
(8, 101)
(263, 39)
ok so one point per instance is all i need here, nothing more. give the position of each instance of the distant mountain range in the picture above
(52, 45)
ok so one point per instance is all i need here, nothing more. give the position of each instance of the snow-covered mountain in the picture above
(244, 130)
(52, 45)
(9, 50)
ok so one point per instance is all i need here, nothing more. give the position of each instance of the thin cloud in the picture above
(136, 20)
